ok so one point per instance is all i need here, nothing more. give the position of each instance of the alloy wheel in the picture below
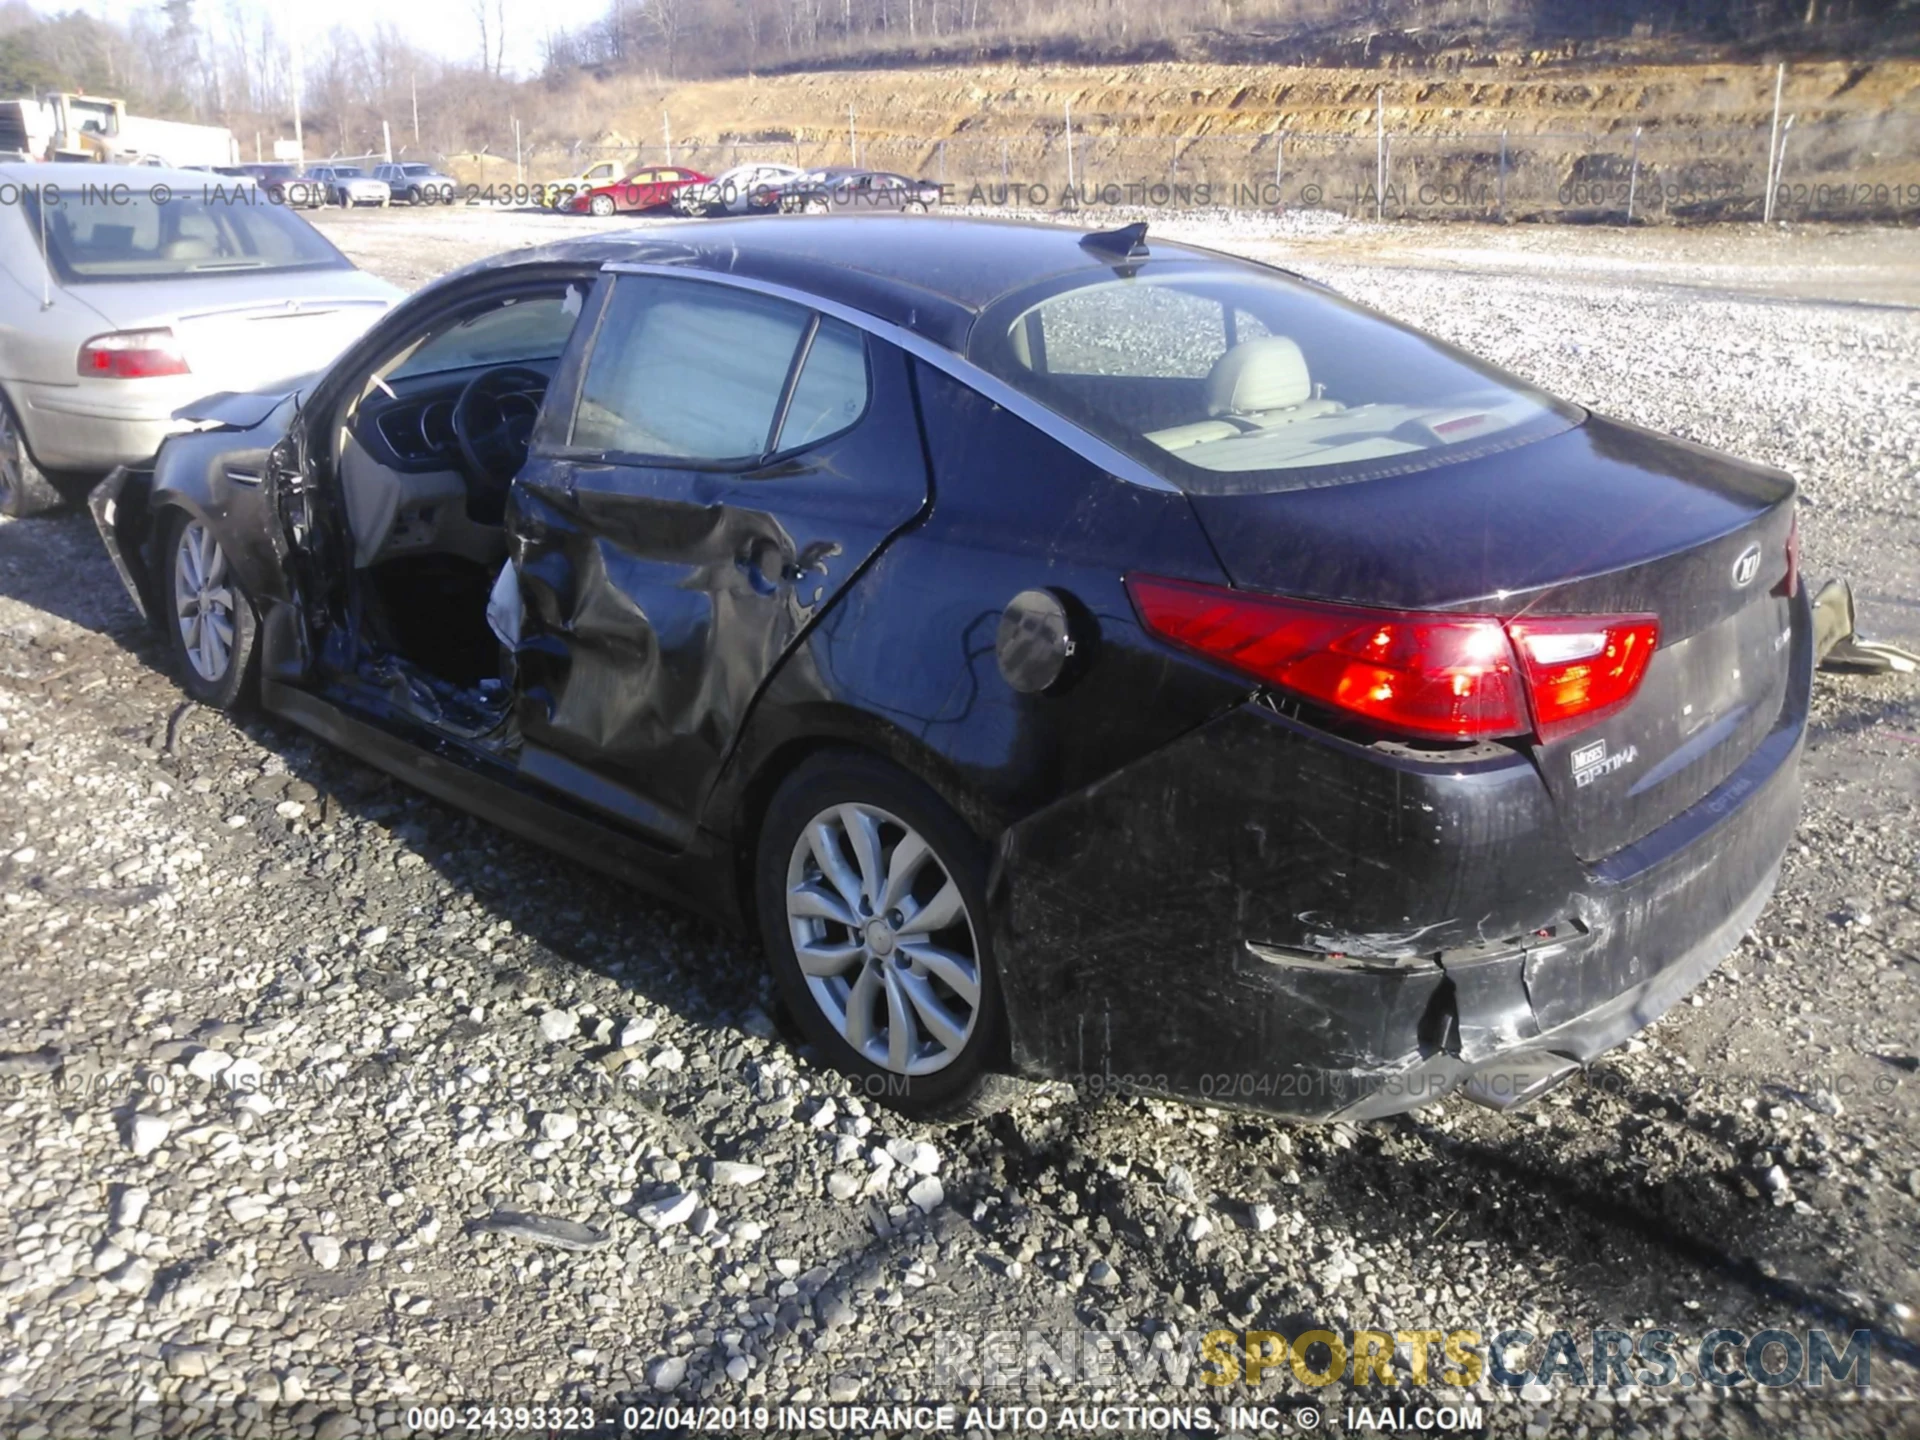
(883, 936)
(203, 602)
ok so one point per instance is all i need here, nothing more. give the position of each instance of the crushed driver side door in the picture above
(730, 460)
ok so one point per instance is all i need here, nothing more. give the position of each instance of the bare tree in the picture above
(673, 21)
(491, 16)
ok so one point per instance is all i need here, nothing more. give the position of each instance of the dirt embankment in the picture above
(1246, 101)
(1516, 138)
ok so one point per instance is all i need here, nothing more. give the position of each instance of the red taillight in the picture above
(132, 355)
(1437, 676)
(1422, 674)
(1581, 668)
(1790, 582)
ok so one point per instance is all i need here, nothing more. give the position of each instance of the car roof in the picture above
(73, 176)
(929, 274)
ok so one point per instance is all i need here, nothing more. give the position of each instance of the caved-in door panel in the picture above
(660, 598)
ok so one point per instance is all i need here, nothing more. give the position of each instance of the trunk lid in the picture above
(1603, 519)
(243, 331)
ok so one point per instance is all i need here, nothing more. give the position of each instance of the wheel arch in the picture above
(19, 409)
(737, 808)
(195, 473)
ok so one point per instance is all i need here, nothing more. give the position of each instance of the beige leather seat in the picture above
(1257, 385)
(1264, 381)
(198, 239)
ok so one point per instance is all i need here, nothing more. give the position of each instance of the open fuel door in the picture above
(731, 460)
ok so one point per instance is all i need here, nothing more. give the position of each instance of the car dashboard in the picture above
(408, 425)
(406, 485)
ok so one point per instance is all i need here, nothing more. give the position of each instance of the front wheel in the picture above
(601, 205)
(871, 898)
(213, 627)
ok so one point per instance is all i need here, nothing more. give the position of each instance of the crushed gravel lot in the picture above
(319, 1101)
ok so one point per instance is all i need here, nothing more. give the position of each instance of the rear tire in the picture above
(911, 1015)
(24, 487)
(208, 617)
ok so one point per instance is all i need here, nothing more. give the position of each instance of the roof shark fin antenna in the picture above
(1129, 242)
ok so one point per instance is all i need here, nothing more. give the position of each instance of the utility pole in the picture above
(299, 81)
(1773, 141)
(1069, 147)
(1633, 176)
(413, 86)
(1379, 149)
(1502, 201)
(386, 140)
(666, 135)
(1779, 166)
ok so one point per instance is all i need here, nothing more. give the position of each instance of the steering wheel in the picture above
(493, 424)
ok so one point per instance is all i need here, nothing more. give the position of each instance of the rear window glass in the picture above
(101, 234)
(1225, 379)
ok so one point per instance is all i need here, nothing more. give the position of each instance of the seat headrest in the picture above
(1258, 375)
(197, 238)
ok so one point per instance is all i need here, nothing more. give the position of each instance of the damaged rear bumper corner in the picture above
(1125, 918)
(1515, 1075)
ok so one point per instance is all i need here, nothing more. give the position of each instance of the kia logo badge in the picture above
(1746, 567)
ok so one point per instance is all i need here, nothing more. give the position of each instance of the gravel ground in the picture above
(290, 1055)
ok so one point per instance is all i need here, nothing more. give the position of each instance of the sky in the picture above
(444, 27)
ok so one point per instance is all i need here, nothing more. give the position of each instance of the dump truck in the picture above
(65, 126)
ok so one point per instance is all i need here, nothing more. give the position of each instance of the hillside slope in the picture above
(1522, 134)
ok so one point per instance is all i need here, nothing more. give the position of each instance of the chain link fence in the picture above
(1859, 169)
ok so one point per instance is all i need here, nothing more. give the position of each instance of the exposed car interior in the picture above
(426, 451)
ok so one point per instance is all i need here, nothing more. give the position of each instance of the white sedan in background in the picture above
(743, 190)
(127, 292)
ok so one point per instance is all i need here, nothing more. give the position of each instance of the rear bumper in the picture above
(96, 425)
(1263, 917)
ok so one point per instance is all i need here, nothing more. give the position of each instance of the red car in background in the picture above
(652, 188)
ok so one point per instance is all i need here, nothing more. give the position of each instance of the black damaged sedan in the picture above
(1075, 655)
